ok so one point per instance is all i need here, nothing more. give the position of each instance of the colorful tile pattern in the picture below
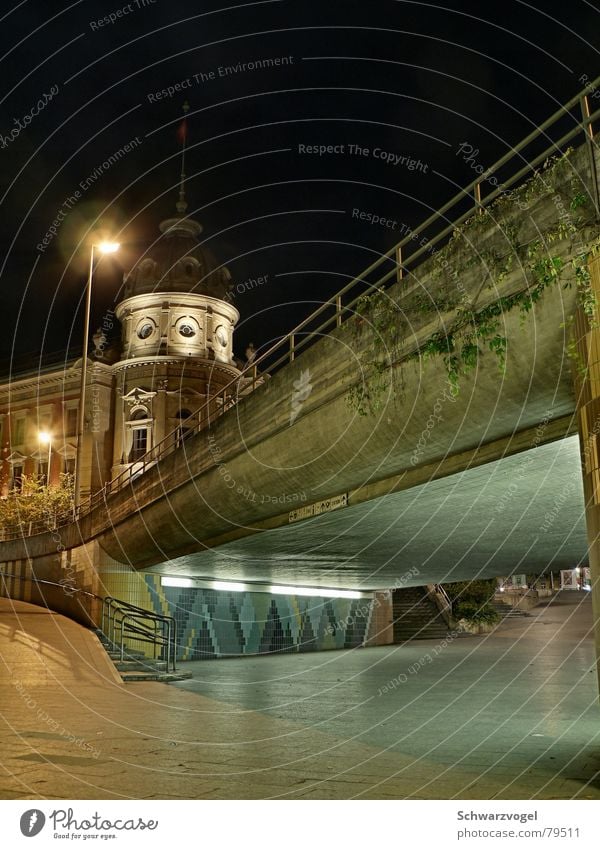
(216, 623)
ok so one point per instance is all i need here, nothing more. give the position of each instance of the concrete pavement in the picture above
(510, 715)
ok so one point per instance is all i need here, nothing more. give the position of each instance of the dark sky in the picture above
(409, 79)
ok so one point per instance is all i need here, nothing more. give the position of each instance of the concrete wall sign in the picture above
(325, 506)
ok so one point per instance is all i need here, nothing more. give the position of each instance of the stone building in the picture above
(176, 350)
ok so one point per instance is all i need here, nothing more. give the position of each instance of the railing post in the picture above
(399, 269)
(590, 144)
(477, 196)
(338, 310)
(174, 645)
(122, 638)
(292, 346)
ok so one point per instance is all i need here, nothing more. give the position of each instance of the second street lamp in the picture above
(104, 248)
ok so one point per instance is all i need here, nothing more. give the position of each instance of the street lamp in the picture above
(104, 248)
(45, 438)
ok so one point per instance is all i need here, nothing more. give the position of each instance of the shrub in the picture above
(473, 612)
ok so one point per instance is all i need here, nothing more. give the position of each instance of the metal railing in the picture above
(442, 600)
(120, 620)
(336, 309)
(26, 529)
(68, 589)
(331, 314)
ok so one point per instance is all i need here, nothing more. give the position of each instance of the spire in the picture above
(181, 205)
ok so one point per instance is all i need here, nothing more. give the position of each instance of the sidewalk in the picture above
(511, 715)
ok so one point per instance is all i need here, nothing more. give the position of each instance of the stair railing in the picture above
(442, 600)
(122, 620)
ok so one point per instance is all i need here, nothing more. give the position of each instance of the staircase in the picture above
(507, 611)
(123, 622)
(417, 616)
(135, 666)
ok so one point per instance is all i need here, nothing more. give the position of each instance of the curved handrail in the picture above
(226, 394)
(298, 338)
(119, 606)
(44, 582)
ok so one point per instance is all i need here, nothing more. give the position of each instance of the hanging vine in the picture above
(470, 331)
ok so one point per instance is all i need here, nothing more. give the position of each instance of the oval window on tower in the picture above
(221, 336)
(187, 327)
(145, 329)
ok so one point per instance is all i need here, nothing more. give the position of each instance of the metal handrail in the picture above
(441, 590)
(299, 337)
(121, 618)
(32, 528)
(42, 581)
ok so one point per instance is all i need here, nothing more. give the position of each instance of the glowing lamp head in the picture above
(44, 437)
(108, 247)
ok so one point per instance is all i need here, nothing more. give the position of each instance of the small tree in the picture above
(37, 503)
(471, 600)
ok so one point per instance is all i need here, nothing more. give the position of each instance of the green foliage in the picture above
(469, 332)
(477, 591)
(471, 600)
(473, 612)
(37, 503)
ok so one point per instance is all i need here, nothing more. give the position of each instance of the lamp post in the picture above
(104, 248)
(45, 438)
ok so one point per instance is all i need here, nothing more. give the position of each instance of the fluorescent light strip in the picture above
(177, 582)
(314, 591)
(274, 589)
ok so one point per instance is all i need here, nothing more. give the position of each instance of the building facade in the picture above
(175, 352)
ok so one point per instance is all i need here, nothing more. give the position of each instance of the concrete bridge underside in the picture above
(218, 502)
(437, 499)
(523, 513)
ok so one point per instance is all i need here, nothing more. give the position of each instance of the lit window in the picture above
(140, 435)
(140, 443)
(17, 477)
(71, 421)
(19, 432)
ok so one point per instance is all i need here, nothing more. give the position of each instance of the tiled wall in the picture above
(217, 623)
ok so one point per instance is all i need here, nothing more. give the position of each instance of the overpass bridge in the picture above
(420, 426)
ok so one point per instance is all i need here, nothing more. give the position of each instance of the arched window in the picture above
(139, 424)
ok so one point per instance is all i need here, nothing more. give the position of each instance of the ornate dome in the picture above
(178, 263)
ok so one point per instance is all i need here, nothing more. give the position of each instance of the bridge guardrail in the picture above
(332, 312)
(336, 309)
(120, 619)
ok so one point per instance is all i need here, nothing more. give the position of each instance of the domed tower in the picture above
(177, 339)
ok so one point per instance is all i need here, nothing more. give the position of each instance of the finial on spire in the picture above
(181, 204)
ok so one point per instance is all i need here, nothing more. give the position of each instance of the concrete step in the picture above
(505, 610)
(408, 638)
(140, 666)
(128, 655)
(164, 677)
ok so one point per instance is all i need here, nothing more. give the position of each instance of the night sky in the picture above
(411, 80)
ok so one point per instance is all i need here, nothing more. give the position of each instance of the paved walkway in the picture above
(511, 715)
